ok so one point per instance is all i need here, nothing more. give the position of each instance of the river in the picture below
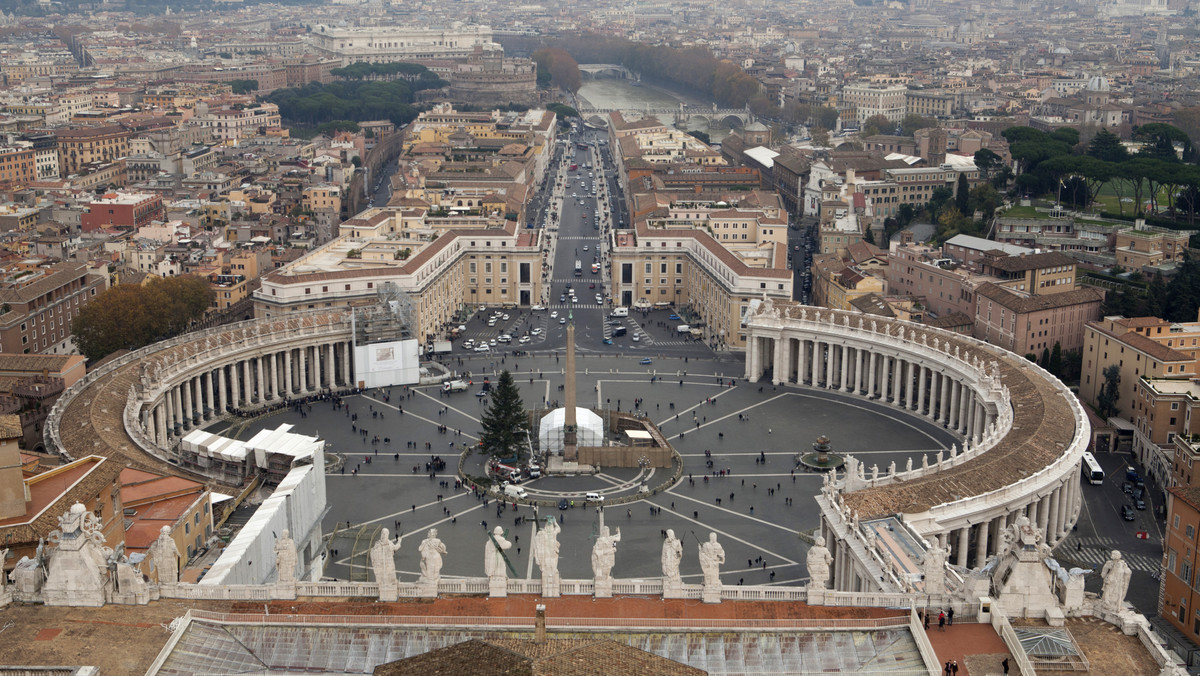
(613, 93)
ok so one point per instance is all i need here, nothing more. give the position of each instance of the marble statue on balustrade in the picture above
(1116, 574)
(672, 554)
(164, 556)
(604, 557)
(494, 563)
(819, 561)
(383, 564)
(712, 555)
(285, 558)
(933, 567)
(545, 554)
(432, 549)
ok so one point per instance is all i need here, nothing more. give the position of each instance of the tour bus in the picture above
(578, 268)
(1091, 469)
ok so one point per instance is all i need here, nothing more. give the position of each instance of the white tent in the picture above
(589, 429)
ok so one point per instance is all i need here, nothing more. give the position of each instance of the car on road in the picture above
(1140, 504)
(563, 504)
(1127, 513)
(1127, 488)
(562, 320)
(646, 360)
(537, 308)
(468, 344)
(585, 247)
(673, 317)
(524, 339)
(504, 317)
(505, 338)
(637, 338)
(562, 298)
(536, 332)
(607, 341)
(591, 286)
(554, 315)
(482, 348)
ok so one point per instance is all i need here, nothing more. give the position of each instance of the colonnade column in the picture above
(845, 352)
(873, 357)
(1043, 508)
(303, 388)
(922, 375)
(981, 542)
(287, 373)
(858, 368)
(829, 357)
(897, 368)
(258, 379)
(778, 374)
(221, 401)
(947, 397)
(330, 374)
(935, 394)
(814, 371)
(960, 551)
(1053, 523)
(801, 361)
(247, 383)
(347, 377)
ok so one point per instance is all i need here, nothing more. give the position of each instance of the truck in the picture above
(514, 491)
(683, 328)
(441, 347)
(578, 268)
(454, 386)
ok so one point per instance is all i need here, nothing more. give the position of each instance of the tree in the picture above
(820, 137)
(563, 69)
(877, 124)
(505, 423)
(987, 162)
(129, 316)
(913, 123)
(1105, 146)
(1056, 360)
(1160, 141)
(1110, 393)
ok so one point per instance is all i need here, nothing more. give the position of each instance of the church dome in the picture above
(1098, 83)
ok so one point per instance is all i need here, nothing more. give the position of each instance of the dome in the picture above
(1062, 50)
(1099, 83)
(589, 429)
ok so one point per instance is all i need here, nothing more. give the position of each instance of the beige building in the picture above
(1140, 347)
(869, 99)
(676, 267)
(1029, 324)
(1162, 410)
(80, 147)
(459, 268)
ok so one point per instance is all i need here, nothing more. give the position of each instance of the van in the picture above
(594, 497)
(514, 491)
(534, 471)
(683, 328)
(619, 312)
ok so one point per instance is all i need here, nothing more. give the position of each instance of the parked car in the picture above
(1127, 513)
(646, 360)
(1140, 504)
(1127, 488)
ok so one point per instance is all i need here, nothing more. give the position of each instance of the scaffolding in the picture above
(390, 318)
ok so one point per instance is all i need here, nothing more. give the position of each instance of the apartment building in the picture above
(37, 306)
(1029, 324)
(1178, 600)
(1162, 410)
(18, 166)
(123, 210)
(78, 148)
(677, 267)
(1144, 247)
(152, 501)
(929, 104)
(1140, 347)
(236, 121)
(387, 44)
(869, 99)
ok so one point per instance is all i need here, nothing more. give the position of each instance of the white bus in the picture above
(1091, 469)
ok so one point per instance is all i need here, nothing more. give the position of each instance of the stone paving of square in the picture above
(754, 431)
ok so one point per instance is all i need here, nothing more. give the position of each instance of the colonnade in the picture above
(908, 381)
(263, 378)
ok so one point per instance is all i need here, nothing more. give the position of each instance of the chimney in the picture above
(539, 631)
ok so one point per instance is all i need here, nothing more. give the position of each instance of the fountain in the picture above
(822, 459)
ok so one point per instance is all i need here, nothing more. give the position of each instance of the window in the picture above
(1190, 531)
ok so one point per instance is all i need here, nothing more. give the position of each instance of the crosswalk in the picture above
(1093, 552)
(576, 306)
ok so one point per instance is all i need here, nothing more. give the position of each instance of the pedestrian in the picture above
(942, 621)
(926, 620)
(953, 667)
(950, 616)
(946, 668)
(1004, 665)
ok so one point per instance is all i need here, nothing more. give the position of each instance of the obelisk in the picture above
(570, 449)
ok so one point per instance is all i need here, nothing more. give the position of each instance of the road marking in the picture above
(709, 505)
(726, 534)
(421, 417)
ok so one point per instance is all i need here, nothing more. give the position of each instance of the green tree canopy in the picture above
(505, 423)
(1160, 141)
(1107, 147)
(562, 67)
(129, 316)
(875, 125)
